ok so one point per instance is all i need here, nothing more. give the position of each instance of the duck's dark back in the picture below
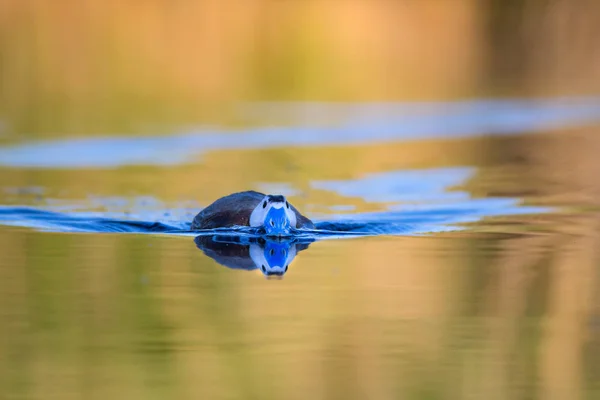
(235, 210)
(228, 211)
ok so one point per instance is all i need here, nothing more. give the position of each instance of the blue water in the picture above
(412, 221)
(312, 125)
(415, 202)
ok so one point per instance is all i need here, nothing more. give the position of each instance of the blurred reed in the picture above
(110, 66)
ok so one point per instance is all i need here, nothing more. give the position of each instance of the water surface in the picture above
(454, 257)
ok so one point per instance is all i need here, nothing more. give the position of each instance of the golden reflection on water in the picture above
(444, 317)
(509, 312)
(506, 310)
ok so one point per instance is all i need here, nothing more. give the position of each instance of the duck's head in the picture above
(275, 215)
(273, 257)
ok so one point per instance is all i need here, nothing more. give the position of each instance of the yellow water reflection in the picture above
(106, 66)
(431, 317)
(507, 314)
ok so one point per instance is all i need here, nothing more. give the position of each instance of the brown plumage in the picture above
(235, 210)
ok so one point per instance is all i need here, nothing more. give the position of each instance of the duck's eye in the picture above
(287, 205)
(272, 252)
(265, 204)
(272, 223)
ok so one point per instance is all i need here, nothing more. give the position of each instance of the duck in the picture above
(271, 257)
(272, 214)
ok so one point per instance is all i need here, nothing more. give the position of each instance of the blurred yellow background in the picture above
(507, 310)
(78, 67)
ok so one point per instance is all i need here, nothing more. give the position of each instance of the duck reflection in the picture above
(272, 257)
